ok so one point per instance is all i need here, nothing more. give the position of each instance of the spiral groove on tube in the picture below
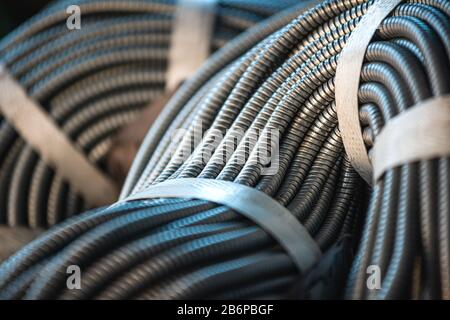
(191, 248)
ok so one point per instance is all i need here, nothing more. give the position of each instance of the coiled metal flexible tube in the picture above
(91, 81)
(181, 248)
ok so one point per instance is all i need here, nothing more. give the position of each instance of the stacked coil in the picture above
(191, 248)
(91, 82)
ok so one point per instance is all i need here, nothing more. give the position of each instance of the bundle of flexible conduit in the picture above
(191, 248)
(91, 81)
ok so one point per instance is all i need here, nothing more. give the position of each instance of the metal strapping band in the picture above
(253, 204)
(190, 40)
(420, 133)
(347, 84)
(45, 137)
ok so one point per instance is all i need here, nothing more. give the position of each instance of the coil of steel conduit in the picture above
(181, 248)
(91, 81)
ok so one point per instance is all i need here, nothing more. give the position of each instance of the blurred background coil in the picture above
(91, 81)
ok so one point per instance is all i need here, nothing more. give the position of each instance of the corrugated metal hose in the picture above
(191, 248)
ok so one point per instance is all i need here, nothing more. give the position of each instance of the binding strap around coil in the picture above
(347, 83)
(41, 132)
(253, 204)
(420, 133)
(190, 40)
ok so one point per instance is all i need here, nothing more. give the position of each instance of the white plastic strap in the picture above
(253, 204)
(420, 133)
(44, 136)
(190, 40)
(347, 84)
